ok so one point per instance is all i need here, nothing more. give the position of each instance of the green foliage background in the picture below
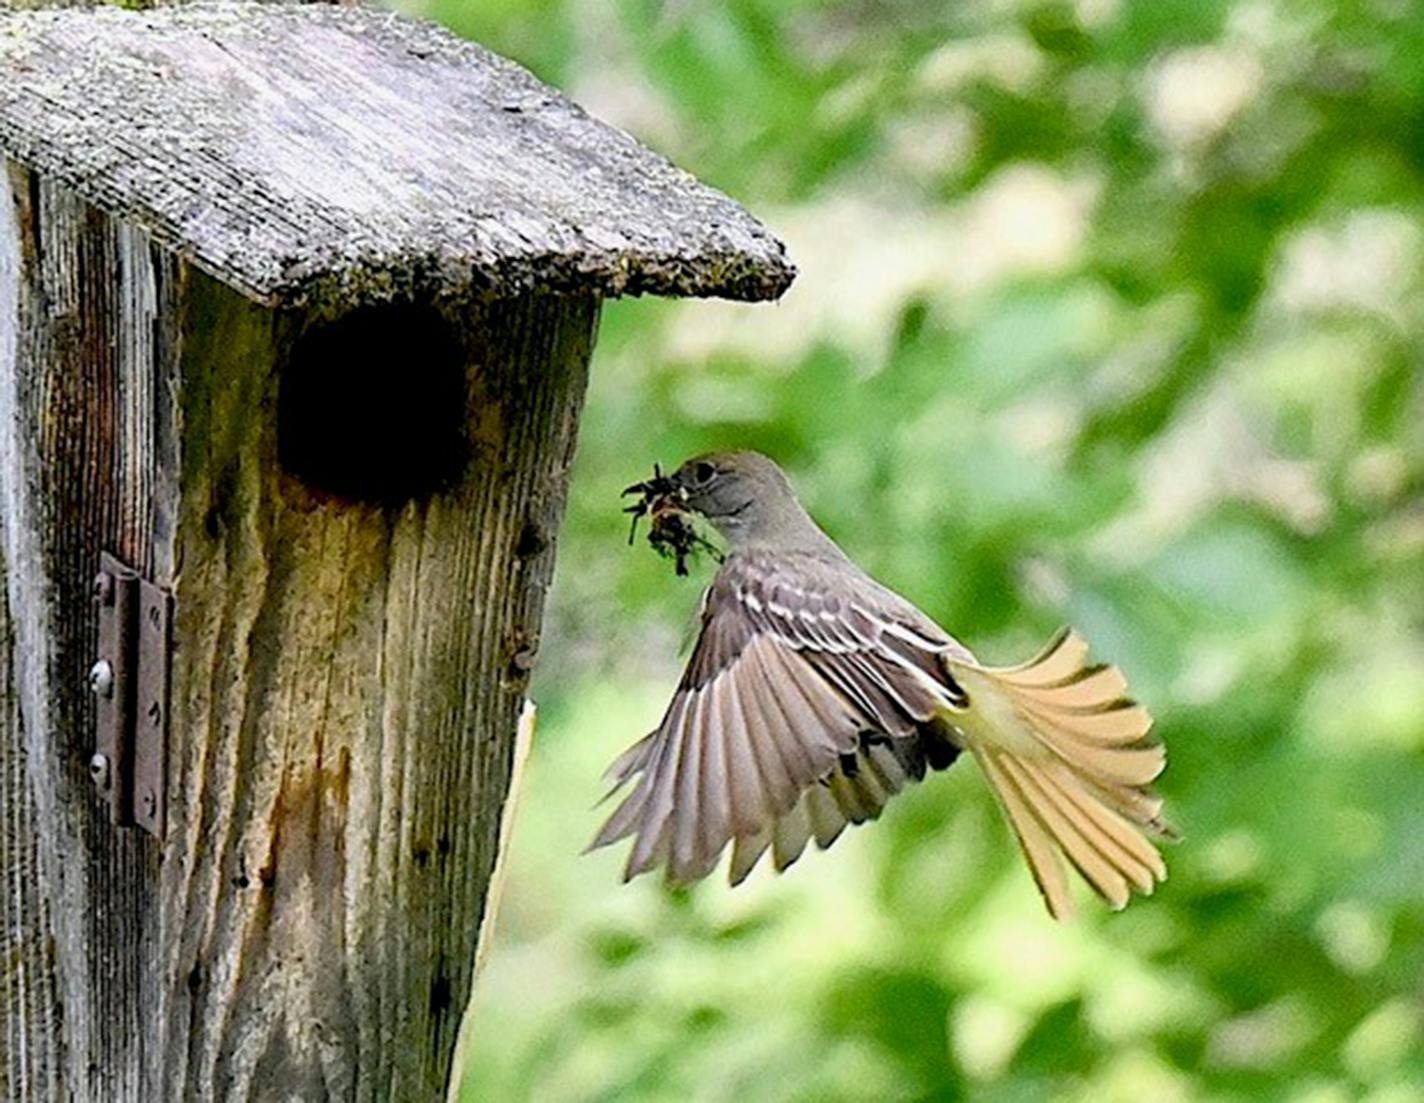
(1110, 313)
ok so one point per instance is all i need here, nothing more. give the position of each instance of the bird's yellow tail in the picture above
(1069, 757)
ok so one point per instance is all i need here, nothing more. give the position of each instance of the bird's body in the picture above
(814, 694)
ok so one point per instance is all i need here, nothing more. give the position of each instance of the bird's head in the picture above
(744, 495)
(733, 490)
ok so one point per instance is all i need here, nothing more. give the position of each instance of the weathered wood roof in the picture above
(332, 152)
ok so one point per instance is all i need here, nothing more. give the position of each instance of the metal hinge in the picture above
(130, 683)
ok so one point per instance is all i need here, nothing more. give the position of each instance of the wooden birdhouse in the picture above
(296, 306)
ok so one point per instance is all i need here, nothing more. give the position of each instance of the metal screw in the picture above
(99, 770)
(104, 588)
(155, 713)
(150, 804)
(101, 679)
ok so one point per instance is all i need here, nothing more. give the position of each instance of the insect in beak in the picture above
(671, 534)
(658, 493)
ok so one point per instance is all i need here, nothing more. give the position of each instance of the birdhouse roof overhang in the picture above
(314, 153)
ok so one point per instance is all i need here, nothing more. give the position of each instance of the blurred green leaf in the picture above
(1109, 314)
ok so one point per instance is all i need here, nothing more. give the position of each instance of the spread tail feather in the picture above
(1069, 758)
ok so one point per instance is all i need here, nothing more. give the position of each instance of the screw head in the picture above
(101, 679)
(150, 804)
(99, 770)
(104, 587)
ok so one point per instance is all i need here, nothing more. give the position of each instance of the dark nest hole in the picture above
(372, 406)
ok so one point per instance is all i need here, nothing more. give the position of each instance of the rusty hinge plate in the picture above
(130, 683)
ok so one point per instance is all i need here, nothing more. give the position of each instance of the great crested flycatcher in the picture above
(814, 694)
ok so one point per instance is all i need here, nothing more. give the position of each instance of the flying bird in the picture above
(814, 694)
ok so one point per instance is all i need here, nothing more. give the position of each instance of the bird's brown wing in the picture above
(801, 709)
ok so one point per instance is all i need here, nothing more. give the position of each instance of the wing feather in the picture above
(631, 761)
(780, 789)
(801, 758)
(790, 836)
(743, 771)
(745, 852)
(714, 810)
(688, 812)
(827, 822)
(761, 746)
(660, 781)
(886, 767)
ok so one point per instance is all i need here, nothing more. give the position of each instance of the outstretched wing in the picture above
(801, 708)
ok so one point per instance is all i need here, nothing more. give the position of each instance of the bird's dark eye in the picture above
(703, 472)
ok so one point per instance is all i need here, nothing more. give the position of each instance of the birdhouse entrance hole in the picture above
(372, 405)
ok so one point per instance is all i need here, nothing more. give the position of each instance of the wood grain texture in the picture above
(349, 681)
(304, 153)
(29, 1010)
(348, 675)
(87, 455)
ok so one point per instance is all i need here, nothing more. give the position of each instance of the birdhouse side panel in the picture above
(357, 615)
(29, 1009)
(88, 384)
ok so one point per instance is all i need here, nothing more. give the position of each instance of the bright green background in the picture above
(1110, 313)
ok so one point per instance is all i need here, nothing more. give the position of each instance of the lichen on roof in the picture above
(313, 152)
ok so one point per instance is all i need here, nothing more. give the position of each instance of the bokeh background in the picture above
(1109, 313)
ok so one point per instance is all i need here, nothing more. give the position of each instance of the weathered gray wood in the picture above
(86, 391)
(347, 681)
(198, 206)
(347, 154)
(350, 677)
(29, 1011)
